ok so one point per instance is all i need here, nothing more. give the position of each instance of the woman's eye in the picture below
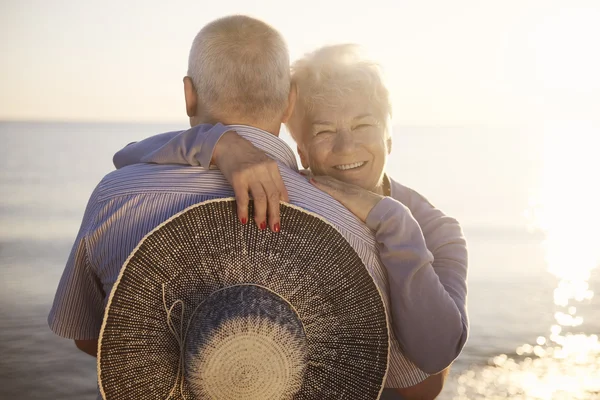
(362, 126)
(322, 132)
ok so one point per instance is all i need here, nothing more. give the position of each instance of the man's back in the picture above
(132, 201)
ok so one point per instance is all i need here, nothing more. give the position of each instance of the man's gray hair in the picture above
(240, 67)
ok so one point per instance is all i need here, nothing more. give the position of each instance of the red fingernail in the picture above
(244, 221)
(263, 226)
(312, 180)
(276, 227)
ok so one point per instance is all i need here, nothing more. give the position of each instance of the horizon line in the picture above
(185, 122)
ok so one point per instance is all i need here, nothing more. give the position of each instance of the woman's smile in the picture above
(350, 167)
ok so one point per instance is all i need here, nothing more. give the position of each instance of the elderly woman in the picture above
(341, 126)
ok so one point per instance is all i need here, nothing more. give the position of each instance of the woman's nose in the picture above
(344, 142)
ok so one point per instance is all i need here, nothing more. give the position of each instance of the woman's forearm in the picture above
(192, 147)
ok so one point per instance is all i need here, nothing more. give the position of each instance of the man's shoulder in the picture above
(151, 178)
(133, 173)
(308, 197)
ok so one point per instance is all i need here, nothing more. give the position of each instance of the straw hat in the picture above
(208, 308)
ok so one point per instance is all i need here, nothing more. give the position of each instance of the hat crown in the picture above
(245, 342)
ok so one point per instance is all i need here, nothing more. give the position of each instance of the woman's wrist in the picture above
(225, 142)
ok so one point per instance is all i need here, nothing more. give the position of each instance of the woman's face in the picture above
(347, 142)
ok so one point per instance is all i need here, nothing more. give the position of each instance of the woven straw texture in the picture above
(288, 315)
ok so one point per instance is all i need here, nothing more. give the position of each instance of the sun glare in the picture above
(565, 364)
(562, 45)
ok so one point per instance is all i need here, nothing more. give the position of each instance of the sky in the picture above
(447, 62)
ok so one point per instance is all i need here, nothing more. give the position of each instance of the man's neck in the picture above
(272, 128)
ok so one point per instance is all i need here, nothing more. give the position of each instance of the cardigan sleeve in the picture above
(426, 266)
(192, 147)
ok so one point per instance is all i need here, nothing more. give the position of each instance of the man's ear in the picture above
(388, 142)
(291, 103)
(303, 158)
(191, 97)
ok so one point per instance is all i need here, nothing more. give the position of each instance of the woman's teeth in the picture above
(350, 166)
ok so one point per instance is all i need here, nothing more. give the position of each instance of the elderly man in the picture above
(238, 75)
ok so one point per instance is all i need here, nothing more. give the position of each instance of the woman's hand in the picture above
(250, 171)
(356, 199)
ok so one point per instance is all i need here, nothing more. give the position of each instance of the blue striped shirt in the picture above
(130, 202)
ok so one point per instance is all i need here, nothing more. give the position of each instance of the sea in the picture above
(527, 197)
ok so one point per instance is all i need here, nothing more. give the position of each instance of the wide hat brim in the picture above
(204, 250)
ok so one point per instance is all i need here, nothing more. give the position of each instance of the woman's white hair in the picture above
(328, 75)
(240, 67)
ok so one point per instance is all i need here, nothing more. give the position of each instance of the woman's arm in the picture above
(192, 147)
(429, 316)
(248, 169)
(429, 303)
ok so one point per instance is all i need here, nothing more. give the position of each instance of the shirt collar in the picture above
(275, 147)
